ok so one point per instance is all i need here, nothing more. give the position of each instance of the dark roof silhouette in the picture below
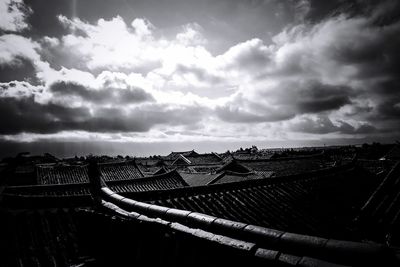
(380, 216)
(394, 153)
(198, 215)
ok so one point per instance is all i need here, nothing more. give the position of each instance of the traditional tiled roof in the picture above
(165, 181)
(161, 171)
(248, 156)
(233, 166)
(181, 160)
(67, 174)
(169, 180)
(61, 174)
(283, 167)
(265, 174)
(232, 177)
(197, 179)
(174, 155)
(380, 216)
(125, 170)
(298, 203)
(271, 246)
(203, 159)
(376, 166)
(394, 153)
(201, 168)
(40, 238)
(146, 234)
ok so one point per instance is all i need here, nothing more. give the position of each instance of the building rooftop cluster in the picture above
(337, 206)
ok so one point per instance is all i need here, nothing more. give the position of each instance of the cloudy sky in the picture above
(145, 77)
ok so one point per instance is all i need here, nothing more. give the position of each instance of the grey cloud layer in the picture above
(25, 115)
(336, 73)
(104, 95)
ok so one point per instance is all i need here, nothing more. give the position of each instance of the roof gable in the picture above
(181, 160)
(234, 166)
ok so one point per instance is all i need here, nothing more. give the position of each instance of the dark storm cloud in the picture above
(129, 95)
(43, 19)
(234, 114)
(286, 101)
(323, 125)
(21, 70)
(316, 97)
(24, 115)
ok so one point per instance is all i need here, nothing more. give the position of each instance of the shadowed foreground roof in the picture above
(320, 203)
(200, 211)
(40, 238)
(380, 216)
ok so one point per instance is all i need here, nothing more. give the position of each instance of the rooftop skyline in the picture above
(150, 77)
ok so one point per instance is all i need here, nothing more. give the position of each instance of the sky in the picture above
(150, 77)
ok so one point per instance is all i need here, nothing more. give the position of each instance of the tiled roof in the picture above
(67, 174)
(193, 158)
(161, 171)
(273, 247)
(380, 216)
(205, 169)
(252, 156)
(202, 159)
(174, 155)
(394, 153)
(40, 238)
(181, 160)
(61, 174)
(125, 170)
(309, 204)
(232, 177)
(376, 166)
(196, 179)
(164, 181)
(234, 166)
(265, 174)
(283, 167)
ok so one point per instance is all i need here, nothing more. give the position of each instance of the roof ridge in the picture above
(334, 250)
(247, 183)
